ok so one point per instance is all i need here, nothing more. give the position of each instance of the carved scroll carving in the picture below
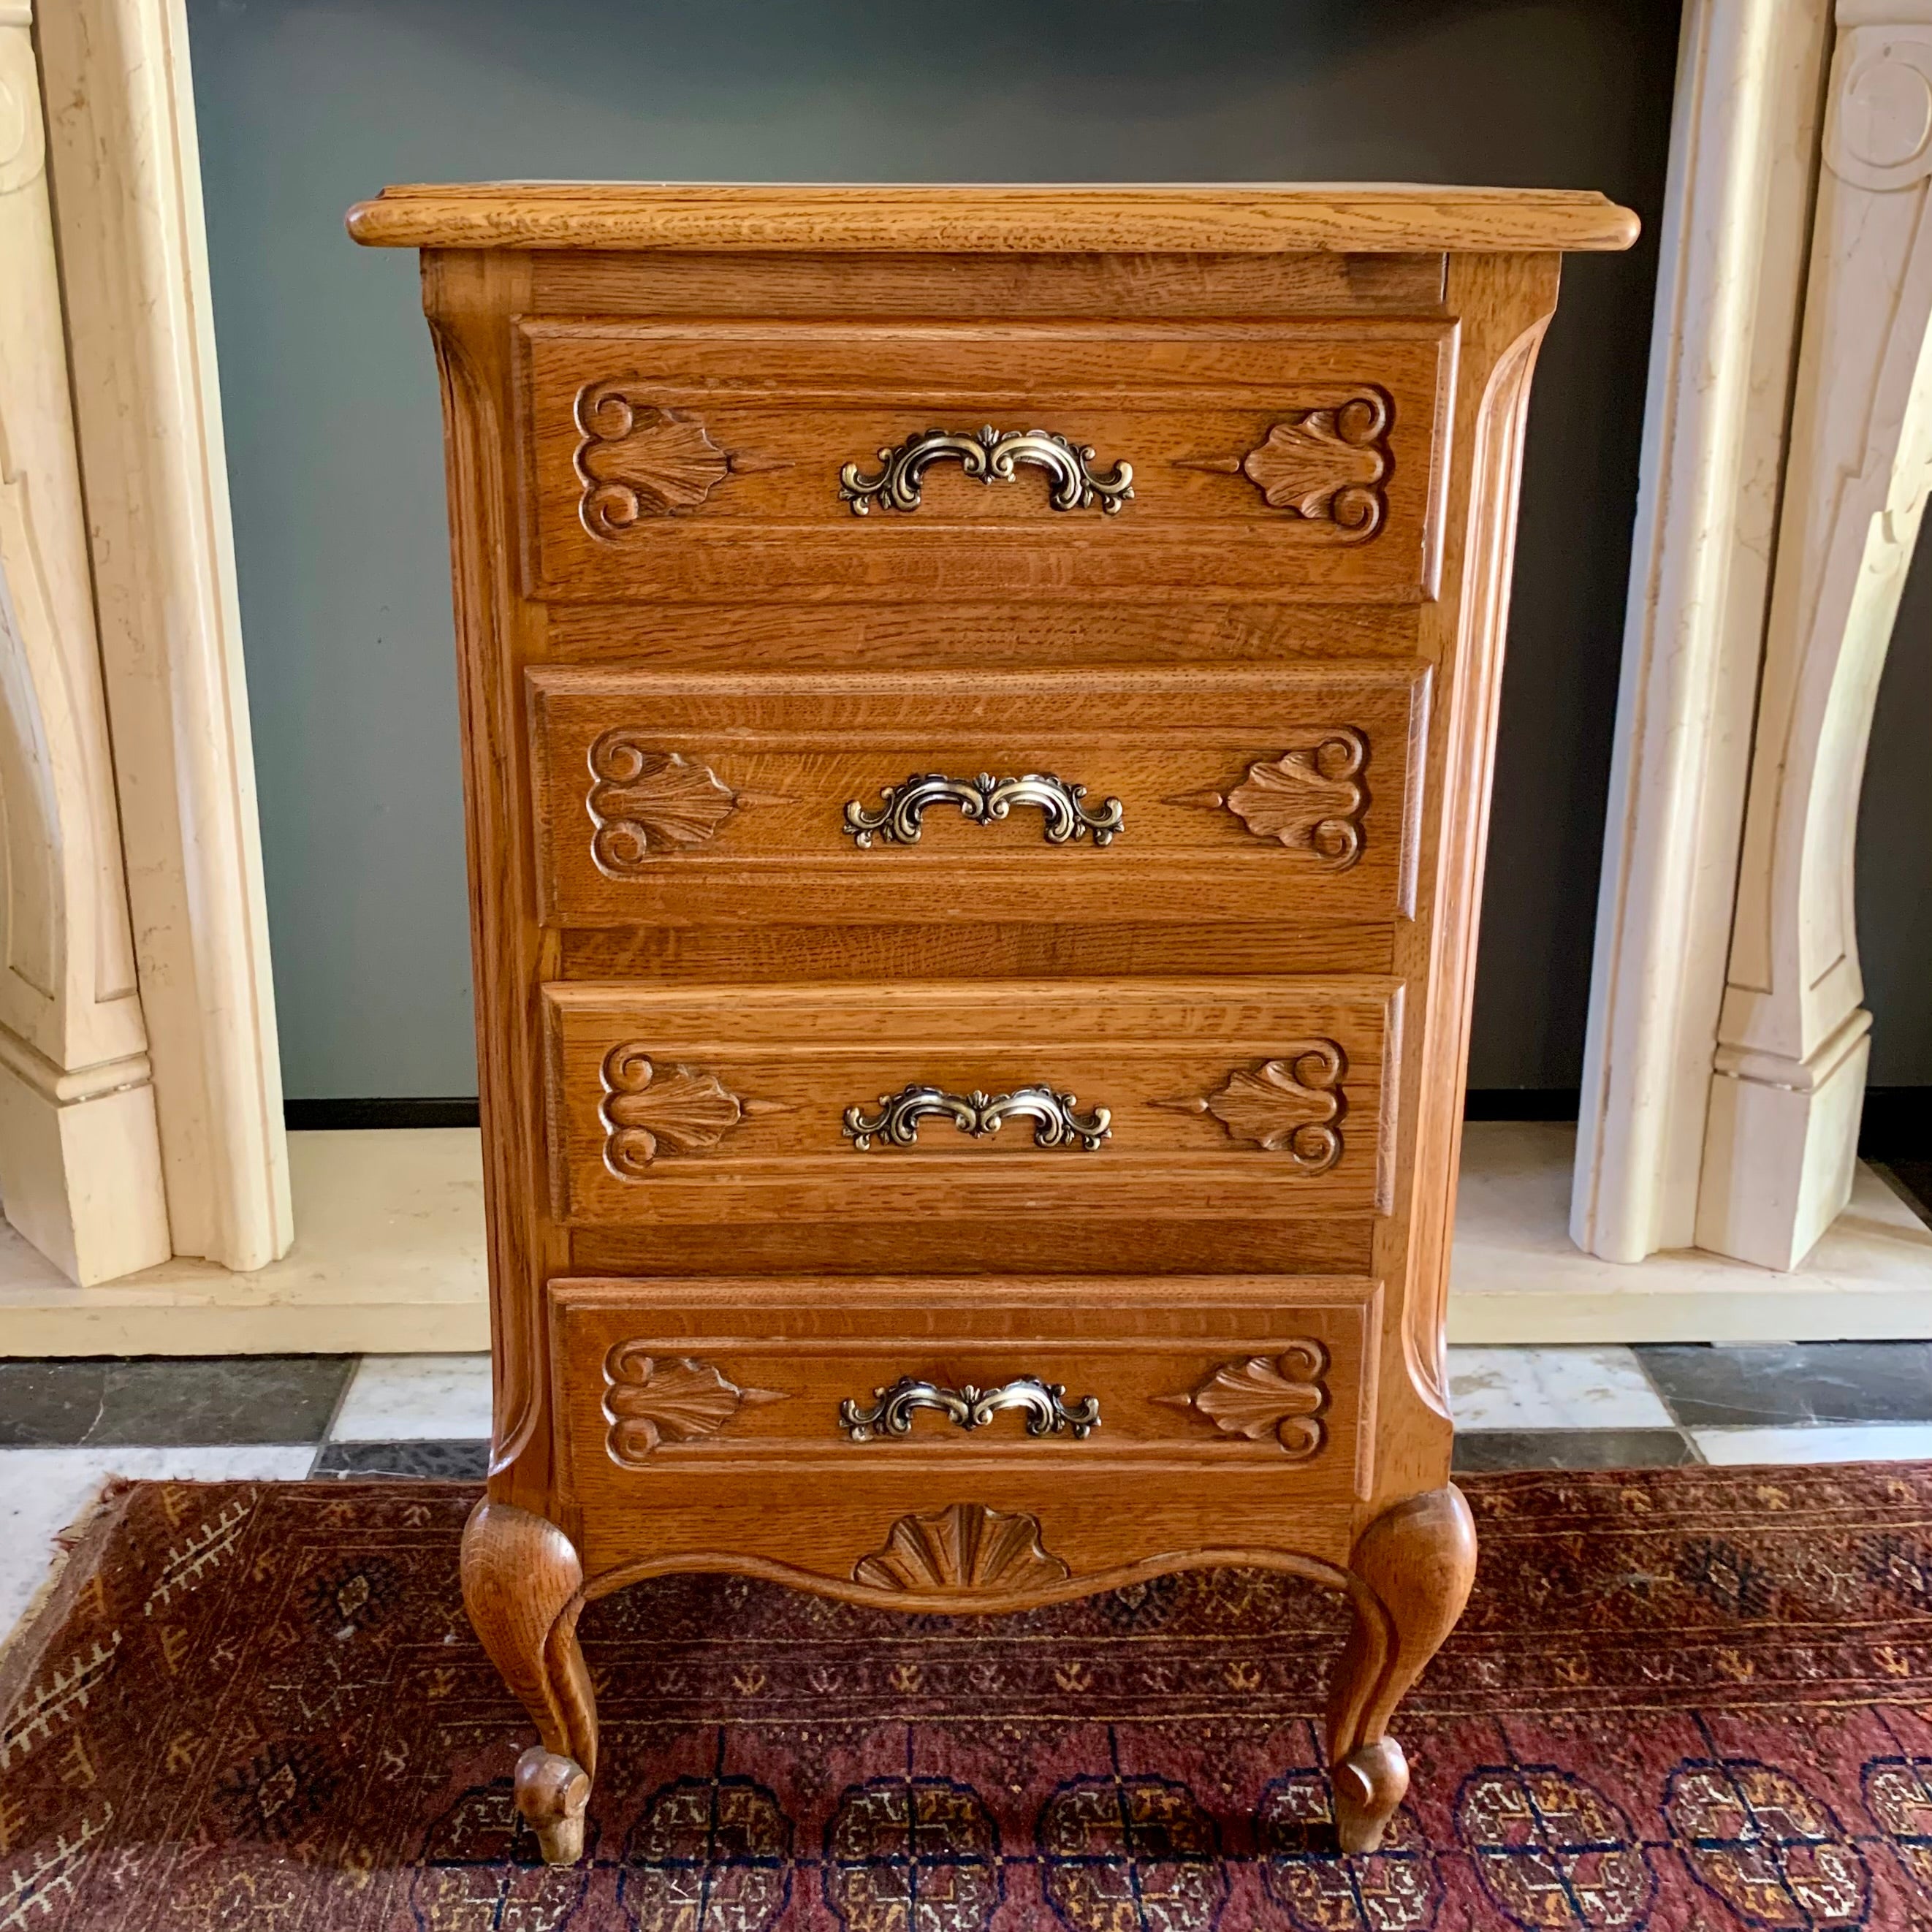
(644, 802)
(635, 461)
(1328, 465)
(1311, 799)
(648, 1399)
(966, 1547)
(648, 1111)
(1283, 1396)
(1289, 1105)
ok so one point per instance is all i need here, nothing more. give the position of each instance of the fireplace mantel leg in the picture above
(1793, 1037)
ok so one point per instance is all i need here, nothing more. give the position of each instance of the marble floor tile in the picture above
(1552, 1388)
(444, 1462)
(51, 1401)
(1728, 1384)
(161, 1400)
(44, 1489)
(415, 1398)
(1493, 1449)
(1858, 1442)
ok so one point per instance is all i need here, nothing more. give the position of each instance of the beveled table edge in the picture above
(1256, 218)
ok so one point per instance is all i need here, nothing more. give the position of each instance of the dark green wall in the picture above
(331, 401)
(1894, 876)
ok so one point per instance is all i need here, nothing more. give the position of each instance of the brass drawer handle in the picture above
(1045, 1403)
(992, 456)
(982, 801)
(1056, 1124)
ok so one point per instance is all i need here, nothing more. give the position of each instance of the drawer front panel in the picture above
(1154, 1098)
(948, 1375)
(668, 798)
(1277, 461)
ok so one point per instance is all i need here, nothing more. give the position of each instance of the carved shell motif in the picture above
(1310, 798)
(966, 1547)
(647, 1111)
(635, 460)
(1287, 1105)
(644, 802)
(648, 1399)
(1328, 464)
(1254, 1398)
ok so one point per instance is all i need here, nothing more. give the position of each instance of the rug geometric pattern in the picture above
(1682, 1700)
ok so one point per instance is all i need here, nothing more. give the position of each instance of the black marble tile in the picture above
(171, 1401)
(1709, 1386)
(50, 1401)
(1479, 1450)
(446, 1461)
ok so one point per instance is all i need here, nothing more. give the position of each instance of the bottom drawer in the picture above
(653, 1379)
(960, 1445)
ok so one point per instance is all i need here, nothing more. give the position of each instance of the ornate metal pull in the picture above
(992, 456)
(981, 800)
(1045, 1404)
(1056, 1124)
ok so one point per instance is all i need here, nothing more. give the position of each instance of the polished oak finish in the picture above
(731, 466)
(688, 799)
(1270, 221)
(1239, 1097)
(978, 707)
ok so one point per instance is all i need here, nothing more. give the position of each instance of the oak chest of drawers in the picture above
(978, 707)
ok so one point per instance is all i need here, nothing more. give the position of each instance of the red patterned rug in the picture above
(1688, 1700)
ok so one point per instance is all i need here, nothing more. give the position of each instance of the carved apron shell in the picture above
(966, 1547)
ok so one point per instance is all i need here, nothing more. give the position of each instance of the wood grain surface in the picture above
(774, 1120)
(775, 1362)
(702, 460)
(681, 799)
(1261, 219)
(746, 1091)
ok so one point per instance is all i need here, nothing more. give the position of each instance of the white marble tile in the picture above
(42, 1490)
(1553, 1388)
(1848, 1442)
(415, 1399)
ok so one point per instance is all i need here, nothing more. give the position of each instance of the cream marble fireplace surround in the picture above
(1787, 451)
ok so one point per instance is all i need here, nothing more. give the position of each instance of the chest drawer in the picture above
(721, 460)
(1262, 1098)
(674, 799)
(871, 1376)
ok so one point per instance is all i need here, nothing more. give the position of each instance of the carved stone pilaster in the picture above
(125, 167)
(1732, 244)
(80, 1171)
(1788, 1077)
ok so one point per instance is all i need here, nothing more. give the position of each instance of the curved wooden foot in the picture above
(519, 1580)
(553, 1792)
(1415, 1562)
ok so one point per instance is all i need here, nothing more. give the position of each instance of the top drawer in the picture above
(984, 461)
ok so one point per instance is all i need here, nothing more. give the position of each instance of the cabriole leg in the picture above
(520, 1576)
(1416, 1561)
